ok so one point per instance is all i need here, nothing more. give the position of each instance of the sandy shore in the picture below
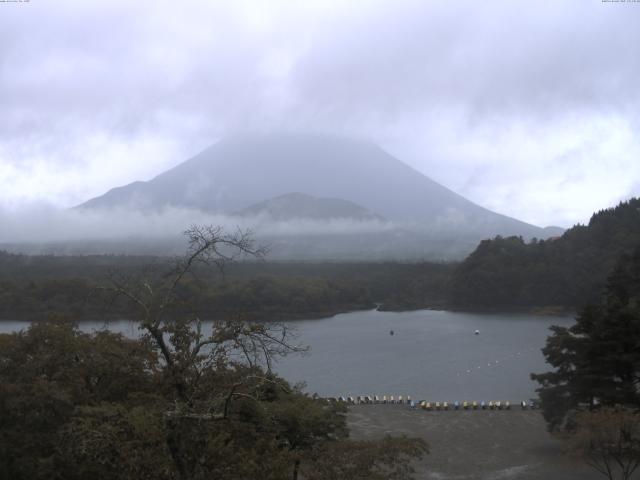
(485, 445)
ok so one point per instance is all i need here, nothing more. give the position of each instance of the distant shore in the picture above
(551, 311)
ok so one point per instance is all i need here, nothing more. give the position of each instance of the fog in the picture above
(49, 224)
(529, 108)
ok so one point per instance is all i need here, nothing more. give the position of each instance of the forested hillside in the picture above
(567, 271)
(33, 287)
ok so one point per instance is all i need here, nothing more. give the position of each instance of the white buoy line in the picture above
(494, 363)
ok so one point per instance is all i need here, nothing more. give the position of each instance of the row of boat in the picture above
(491, 405)
(375, 399)
(426, 405)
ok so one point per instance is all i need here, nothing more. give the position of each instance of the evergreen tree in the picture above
(597, 360)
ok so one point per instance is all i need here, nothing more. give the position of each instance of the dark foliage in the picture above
(178, 403)
(36, 287)
(567, 271)
(597, 360)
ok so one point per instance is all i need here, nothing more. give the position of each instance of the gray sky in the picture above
(530, 108)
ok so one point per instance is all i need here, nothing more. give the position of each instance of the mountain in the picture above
(358, 179)
(569, 271)
(296, 206)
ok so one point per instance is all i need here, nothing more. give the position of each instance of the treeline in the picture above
(34, 287)
(568, 271)
(261, 298)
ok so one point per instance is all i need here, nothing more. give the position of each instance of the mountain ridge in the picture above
(242, 171)
(239, 171)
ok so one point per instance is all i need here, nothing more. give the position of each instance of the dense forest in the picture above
(33, 287)
(502, 273)
(568, 271)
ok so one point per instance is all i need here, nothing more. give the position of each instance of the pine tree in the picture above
(597, 360)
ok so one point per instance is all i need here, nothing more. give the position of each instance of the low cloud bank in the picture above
(41, 224)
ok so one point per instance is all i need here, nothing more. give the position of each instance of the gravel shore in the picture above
(474, 444)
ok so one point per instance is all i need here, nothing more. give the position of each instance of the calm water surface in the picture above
(432, 354)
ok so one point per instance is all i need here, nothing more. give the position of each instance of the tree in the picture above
(609, 438)
(597, 360)
(56, 384)
(206, 372)
(593, 396)
(187, 400)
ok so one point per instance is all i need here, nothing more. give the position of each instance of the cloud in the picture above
(41, 224)
(528, 108)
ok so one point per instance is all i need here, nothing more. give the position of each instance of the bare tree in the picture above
(609, 439)
(206, 370)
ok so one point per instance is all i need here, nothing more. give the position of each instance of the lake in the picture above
(432, 354)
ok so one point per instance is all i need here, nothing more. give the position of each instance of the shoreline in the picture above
(543, 311)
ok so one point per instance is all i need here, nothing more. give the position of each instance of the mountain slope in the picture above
(238, 172)
(294, 206)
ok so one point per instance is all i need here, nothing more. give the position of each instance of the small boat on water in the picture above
(477, 332)
(391, 332)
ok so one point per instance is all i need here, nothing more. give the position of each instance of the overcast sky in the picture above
(530, 108)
